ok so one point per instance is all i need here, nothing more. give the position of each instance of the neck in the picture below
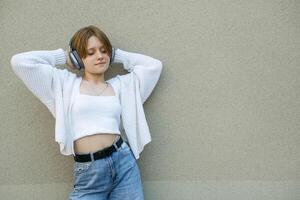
(95, 79)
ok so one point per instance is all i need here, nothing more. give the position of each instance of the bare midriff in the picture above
(93, 143)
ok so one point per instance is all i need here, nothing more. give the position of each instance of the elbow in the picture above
(13, 61)
(156, 68)
(17, 60)
(159, 65)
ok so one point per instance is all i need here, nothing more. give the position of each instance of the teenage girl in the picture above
(104, 164)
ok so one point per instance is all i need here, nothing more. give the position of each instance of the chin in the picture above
(102, 70)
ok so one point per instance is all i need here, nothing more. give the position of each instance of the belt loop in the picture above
(92, 156)
(115, 145)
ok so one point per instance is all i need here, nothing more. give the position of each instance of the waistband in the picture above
(99, 154)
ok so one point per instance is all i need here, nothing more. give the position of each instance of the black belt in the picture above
(99, 154)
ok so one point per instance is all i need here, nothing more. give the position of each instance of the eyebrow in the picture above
(94, 47)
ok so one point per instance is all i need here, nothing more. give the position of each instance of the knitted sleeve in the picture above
(146, 68)
(38, 72)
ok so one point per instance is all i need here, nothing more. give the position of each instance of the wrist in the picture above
(59, 55)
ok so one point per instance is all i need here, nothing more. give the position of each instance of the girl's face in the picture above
(97, 60)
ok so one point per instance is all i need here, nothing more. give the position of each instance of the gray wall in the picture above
(224, 116)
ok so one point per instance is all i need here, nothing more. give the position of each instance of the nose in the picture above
(99, 54)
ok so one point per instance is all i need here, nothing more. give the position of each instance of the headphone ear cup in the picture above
(112, 56)
(76, 60)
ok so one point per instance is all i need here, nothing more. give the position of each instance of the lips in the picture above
(101, 63)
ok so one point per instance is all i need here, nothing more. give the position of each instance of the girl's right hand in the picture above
(69, 62)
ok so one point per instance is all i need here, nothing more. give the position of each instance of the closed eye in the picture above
(103, 51)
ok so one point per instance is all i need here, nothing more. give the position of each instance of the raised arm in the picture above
(38, 72)
(146, 68)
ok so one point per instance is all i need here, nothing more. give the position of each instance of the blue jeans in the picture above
(116, 177)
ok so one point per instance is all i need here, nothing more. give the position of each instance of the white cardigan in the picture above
(56, 87)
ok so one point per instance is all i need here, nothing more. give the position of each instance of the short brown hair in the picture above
(79, 41)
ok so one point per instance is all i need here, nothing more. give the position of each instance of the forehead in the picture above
(94, 43)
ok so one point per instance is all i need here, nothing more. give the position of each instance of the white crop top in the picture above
(95, 114)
